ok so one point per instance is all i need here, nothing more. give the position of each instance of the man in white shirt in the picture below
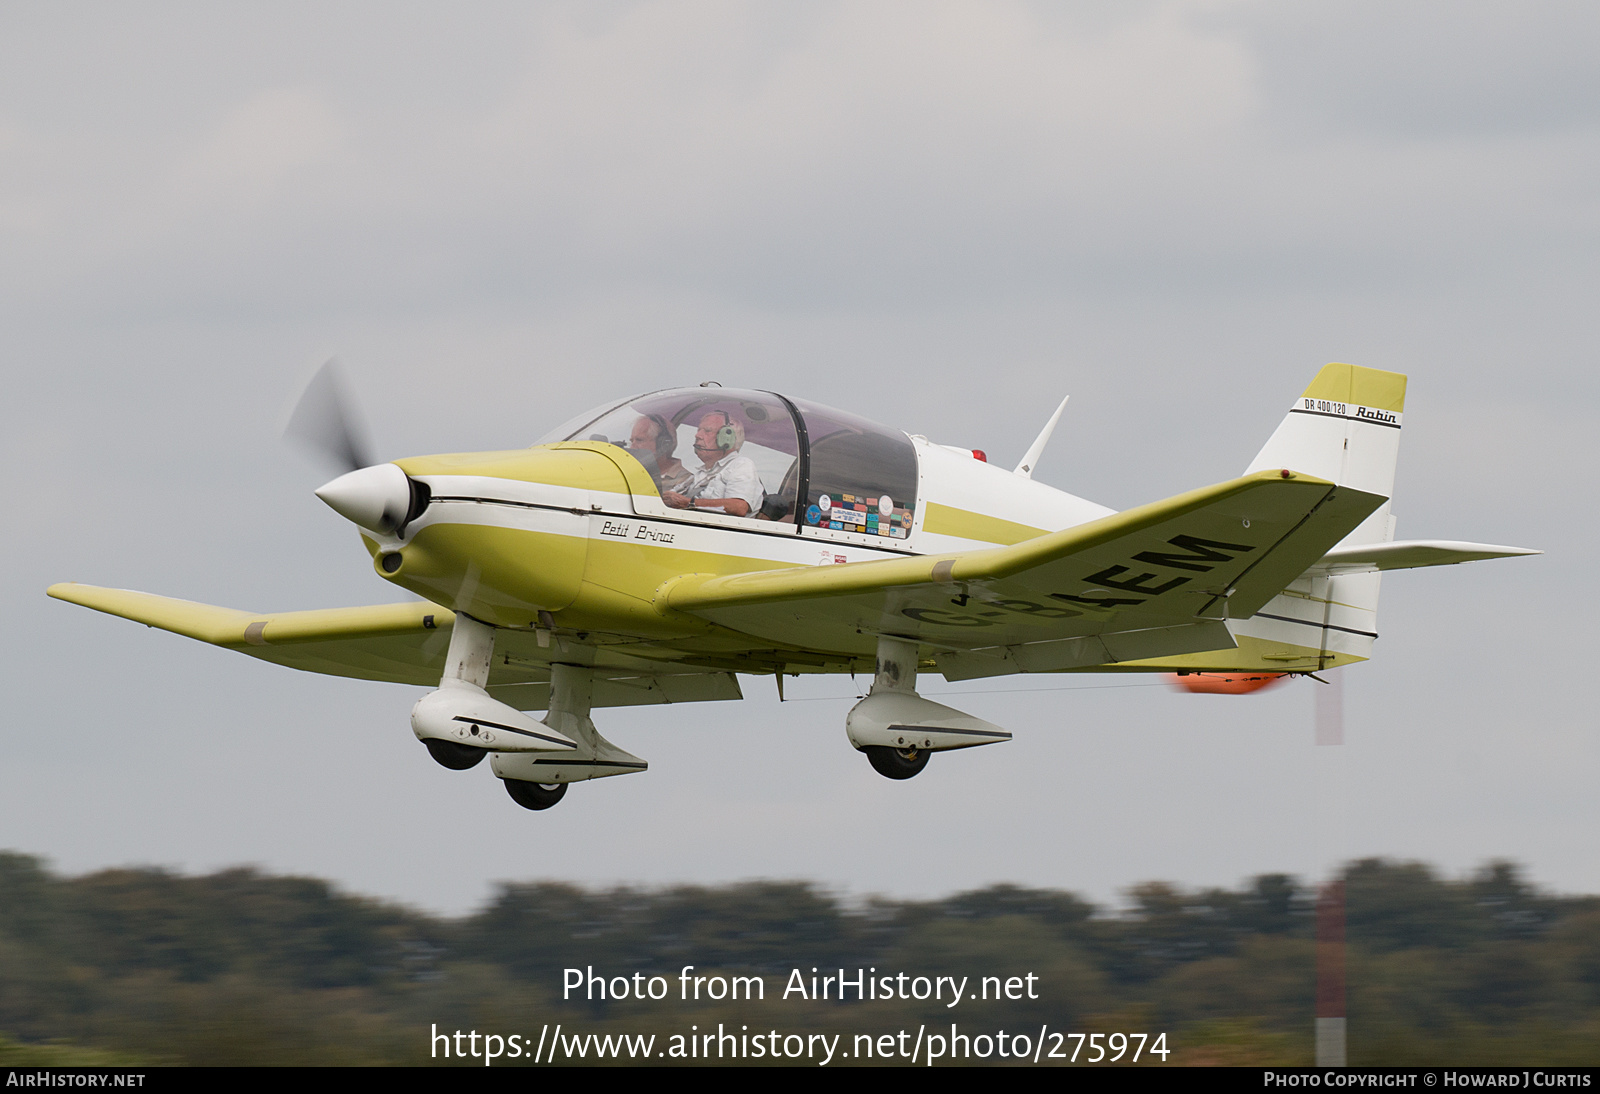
(726, 482)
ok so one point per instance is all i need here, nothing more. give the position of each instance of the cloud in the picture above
(1426, 69)
(259, 147)
(799, 157)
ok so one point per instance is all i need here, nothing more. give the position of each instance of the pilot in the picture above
(726, 482)
(652, 442)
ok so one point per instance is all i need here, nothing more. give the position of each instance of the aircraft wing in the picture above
(1148, 582)
(400, 643)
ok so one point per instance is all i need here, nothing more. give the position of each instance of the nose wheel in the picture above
(534, 795)
(897, 763)
(457, 757)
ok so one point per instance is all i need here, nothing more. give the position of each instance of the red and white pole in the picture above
(1330, 975)
(1330, 1018)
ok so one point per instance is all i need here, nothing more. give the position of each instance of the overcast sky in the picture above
(943, 216)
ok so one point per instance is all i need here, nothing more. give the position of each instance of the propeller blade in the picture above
(325, 420)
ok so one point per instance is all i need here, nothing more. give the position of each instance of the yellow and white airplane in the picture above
(650, 550)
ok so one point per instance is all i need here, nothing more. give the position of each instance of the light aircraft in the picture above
(650, 550)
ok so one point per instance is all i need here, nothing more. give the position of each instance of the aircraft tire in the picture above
(895, 763)
(534, 795)
(456, 757)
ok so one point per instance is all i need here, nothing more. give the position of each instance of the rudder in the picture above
(1345, 428)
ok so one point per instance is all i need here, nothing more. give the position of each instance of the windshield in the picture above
(740, 453)
(567, 429)
(713, 449)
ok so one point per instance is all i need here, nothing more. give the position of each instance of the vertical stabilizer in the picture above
(1345, 428)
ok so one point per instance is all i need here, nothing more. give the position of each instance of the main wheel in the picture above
(457, 757)
(897, 763)
(534, 795)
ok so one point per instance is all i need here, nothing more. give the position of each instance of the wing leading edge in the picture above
(398, 643)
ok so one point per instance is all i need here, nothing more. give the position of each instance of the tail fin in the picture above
(1346, 429)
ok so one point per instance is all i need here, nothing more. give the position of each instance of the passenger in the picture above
(653, 440)
(726, 482)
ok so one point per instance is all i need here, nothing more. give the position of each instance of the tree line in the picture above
(241, 967)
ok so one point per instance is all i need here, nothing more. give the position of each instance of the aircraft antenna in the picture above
(1035, 450)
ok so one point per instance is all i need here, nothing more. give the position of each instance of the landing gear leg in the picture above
(466, 662)
(896, 674)
(897, 728)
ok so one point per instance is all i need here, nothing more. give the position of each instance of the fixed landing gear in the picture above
(461, 723)
(899, 729)
(457, 757)
(537, 780)
(535, 795)
(897, 763)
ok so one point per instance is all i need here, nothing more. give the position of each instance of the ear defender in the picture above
(727, 436)
(666, 438)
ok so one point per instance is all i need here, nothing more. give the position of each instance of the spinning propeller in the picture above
(325, 420)
(376, 496)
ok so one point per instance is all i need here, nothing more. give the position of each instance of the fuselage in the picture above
(582, 536)
(576, 534)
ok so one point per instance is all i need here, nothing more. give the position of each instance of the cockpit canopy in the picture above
(787, 460)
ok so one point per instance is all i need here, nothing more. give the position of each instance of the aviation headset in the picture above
(729, 434)
(666, 436)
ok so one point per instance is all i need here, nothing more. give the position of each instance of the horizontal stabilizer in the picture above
(1407, 554)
